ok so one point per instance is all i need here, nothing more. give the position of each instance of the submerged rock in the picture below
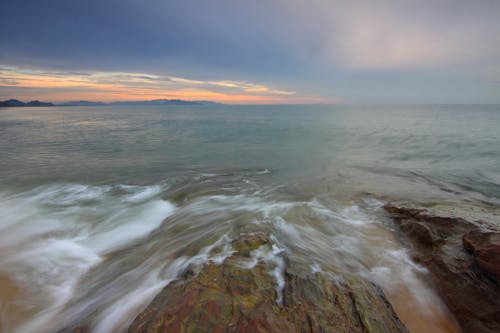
(256, 290)
(442, 244)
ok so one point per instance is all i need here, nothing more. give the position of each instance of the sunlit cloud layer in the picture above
(121, 86)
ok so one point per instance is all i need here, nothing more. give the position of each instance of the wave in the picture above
(52, 235)
(79, 250)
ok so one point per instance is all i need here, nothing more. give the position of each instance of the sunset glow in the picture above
(61, 86)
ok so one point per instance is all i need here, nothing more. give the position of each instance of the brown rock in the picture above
(436, 242)
(420, 232)
(485, 246)
(231, 298)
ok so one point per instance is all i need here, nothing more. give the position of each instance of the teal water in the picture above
(454, 146)
(101, 207)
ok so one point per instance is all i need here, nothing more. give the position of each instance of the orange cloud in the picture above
(121, 86)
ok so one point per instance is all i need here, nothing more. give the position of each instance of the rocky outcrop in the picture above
(241, 296)
(468, 283)
(485, 246)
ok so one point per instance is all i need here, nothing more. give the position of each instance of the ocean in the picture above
(102, 207)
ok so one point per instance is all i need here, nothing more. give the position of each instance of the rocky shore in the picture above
(238, 297)
(463, 257)
(258, 289)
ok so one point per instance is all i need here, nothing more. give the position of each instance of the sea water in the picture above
(102, 207)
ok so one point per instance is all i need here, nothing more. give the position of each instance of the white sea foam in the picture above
(227, 251)
(274, 259)
(278, 272)
(397, 263)
(315, 268)
(120, 314)
(239, 203)
(288, 229)
(127, 225)
(139, 194)
(373, 203)
(52, 235)
(117, 317)
(49, 271)
(350, 215)
(68, 194)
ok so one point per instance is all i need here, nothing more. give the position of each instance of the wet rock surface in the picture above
(464, 261)
(244, 294)
(485, 246)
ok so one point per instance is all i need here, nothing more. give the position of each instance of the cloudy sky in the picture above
(261, 51)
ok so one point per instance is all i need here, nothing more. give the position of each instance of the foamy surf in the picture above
(52, 235)
(77, 250)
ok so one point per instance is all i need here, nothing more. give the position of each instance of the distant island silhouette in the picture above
(15, 102)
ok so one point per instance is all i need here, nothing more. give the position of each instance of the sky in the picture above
(244, 52)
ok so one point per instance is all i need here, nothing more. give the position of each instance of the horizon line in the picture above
(101, 103)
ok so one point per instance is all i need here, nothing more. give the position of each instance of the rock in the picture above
(231, 298)
(250, 242)
(438, 243)
(420, 232)
(485, 246)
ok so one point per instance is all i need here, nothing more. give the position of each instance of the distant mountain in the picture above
(38, 103)
(82, 103)
(164, 102)
(140, 103)
(15, 102)
(12, 102)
